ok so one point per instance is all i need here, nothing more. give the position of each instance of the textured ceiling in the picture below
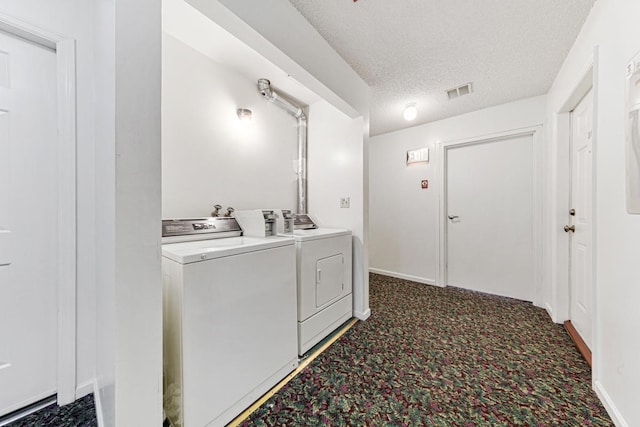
(413, 50)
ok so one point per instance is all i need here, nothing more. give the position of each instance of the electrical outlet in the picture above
(344, 202)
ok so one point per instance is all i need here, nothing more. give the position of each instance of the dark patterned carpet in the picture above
(427, 357)
(81, 413)
(445, 357)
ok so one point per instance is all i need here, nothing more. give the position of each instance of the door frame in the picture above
(65, 50)
(560, 181)
(441, 172)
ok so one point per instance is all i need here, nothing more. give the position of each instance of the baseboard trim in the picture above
(578, 341)
(98, 401)
(403, 276)
(547, 307)
(26, 410)
(83, 389)
(608, 404)
(362, 315)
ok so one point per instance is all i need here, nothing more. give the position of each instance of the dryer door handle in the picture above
(318, 276)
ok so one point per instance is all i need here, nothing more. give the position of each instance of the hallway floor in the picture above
(447, 357)
(428, 356)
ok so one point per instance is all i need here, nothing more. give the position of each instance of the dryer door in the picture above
(329, 279)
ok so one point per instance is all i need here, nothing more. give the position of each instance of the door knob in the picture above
(568, 229)
(452, 217)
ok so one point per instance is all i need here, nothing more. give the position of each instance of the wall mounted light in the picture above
(244, 114)
(410, 111)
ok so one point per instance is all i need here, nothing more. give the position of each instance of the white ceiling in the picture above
(413, 50)
(183, 22)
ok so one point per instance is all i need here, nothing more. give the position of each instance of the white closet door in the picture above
(28, 223)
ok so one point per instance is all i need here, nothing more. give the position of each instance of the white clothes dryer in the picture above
(324, 279)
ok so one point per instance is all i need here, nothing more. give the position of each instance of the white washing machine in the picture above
(324, 278)
(229, 319)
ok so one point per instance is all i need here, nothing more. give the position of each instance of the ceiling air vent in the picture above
(459, 91)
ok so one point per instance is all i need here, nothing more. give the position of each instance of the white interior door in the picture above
(489, 196)
(580, 218)
(28, 223)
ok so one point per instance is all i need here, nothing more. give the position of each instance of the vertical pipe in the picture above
(302, 165)
(264, 86)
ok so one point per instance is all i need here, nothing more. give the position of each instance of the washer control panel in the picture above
(200, 226)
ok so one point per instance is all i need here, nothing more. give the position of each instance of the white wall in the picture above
(127, 198)
(138, 294)
(73, 18)
(612, 27)
(105, 196)
(403, 217)
(335, 168)
(306, 58)
(208, 155)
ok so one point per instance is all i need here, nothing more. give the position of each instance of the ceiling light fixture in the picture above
(244, 114)
(410, 111)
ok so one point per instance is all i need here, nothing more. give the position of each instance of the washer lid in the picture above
(319, 233)
(202, 250)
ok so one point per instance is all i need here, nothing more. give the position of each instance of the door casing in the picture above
(65, 50)
(559, 182)
(442, 147)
